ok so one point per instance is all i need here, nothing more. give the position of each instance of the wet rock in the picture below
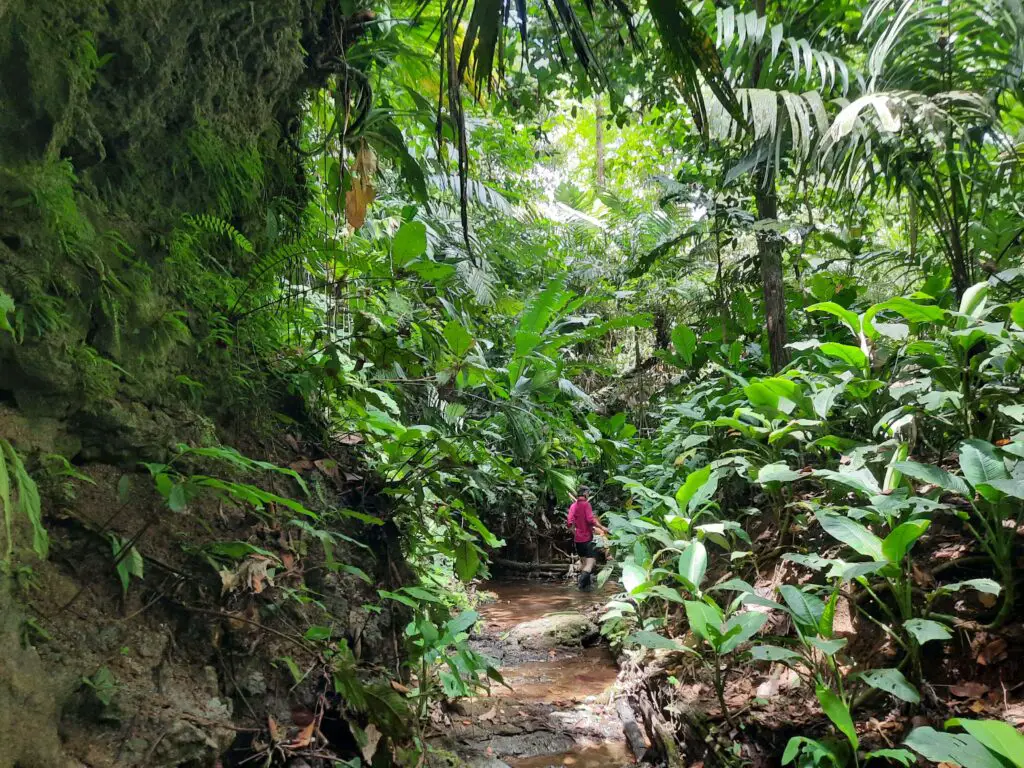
(484, 762)
(558, 629)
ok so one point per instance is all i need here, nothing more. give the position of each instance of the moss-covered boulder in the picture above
(558, 629)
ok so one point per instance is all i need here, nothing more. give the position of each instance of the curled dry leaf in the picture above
(968, 690)
(372, 740)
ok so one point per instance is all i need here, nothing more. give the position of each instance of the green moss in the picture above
(117, 121)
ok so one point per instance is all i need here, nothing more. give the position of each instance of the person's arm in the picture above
(597, 523)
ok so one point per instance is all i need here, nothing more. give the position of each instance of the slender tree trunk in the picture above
(769, 251)
(599, 140)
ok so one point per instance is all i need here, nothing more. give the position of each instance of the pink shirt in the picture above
(582, 520)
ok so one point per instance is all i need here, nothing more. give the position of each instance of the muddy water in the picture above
(561, 711)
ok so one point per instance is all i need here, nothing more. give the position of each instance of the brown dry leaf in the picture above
(372, 740)
(399, 687)
(273, 730)
(228, 580)
(488, 715)
(292, 442)
(921, 577)
(357, 200)
(366, 161)
(328, 466)
(254, 572)
(986, 599)
(968, 690)
(977, 707)
(288, 560)
(304, 737)
(301, 466)
(350, 438)
(993, 652)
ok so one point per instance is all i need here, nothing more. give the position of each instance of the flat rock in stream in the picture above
(558, 629)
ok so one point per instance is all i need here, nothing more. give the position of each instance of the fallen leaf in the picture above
(399, 687)
(350, 438)
(968, 690)
(272, 730)
(372, 740)
(304, 737)
(467, 722)
(993, 652)
(328, 466)
(300, 466)
(228, 580)
(986, 599)
(977, 707)
(489, 714)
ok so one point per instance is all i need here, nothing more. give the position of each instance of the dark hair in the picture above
(583, 491)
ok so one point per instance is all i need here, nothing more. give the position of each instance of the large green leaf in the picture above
(693, 563)
(891, 681)
(958, 748)
(853, 356)
(838, 713)
(705, 620)
(973, 303)
(467, 561)
(859, 479)
(924, 630)
(850, 319)
(773, 653)
(998, 736)
(901, 538)
(777, 473)
(805, 608)
(851, 533)
(981, 465)
(936, 476)
(698, 488)
(685, 342)
(410, 242)
(633, 576)
(459, 339)
(740, 628)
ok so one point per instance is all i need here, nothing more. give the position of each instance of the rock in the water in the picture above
(565, 629)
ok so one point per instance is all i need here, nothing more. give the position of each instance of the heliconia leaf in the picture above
(633, 576)
(936, 476)
(853, 356)
(829, 647)
(973, 301)
(777, 473)
(806, 609)
(705, 620)
(923, 630)
(695, 489)
(685, 342)
(693, 563)
(837, 711)
(891, 681)
(849, 318)
(740, 628)
(958, 748)
(773, 653)
(998, 736)
(851, 533)
(981, 465)
(901, 539)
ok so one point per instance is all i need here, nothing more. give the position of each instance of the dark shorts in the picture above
(586, 548)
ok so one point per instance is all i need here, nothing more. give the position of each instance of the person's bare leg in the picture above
(589, 563)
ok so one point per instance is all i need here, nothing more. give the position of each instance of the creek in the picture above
(559, 708)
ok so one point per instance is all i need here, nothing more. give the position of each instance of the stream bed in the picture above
(561, 707)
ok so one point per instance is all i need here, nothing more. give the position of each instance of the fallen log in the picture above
(634, 736)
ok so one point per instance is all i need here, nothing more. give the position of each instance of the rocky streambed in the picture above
(561, 704)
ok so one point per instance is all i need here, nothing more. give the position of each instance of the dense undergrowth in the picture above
(308, 309)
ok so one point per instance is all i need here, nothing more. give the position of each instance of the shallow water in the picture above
(573, 686)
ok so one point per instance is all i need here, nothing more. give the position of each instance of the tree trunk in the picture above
(769, 251)
(599, 140)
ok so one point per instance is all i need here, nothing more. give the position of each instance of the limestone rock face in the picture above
(558, 629)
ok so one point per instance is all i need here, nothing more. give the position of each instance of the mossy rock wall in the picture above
(118, 120)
